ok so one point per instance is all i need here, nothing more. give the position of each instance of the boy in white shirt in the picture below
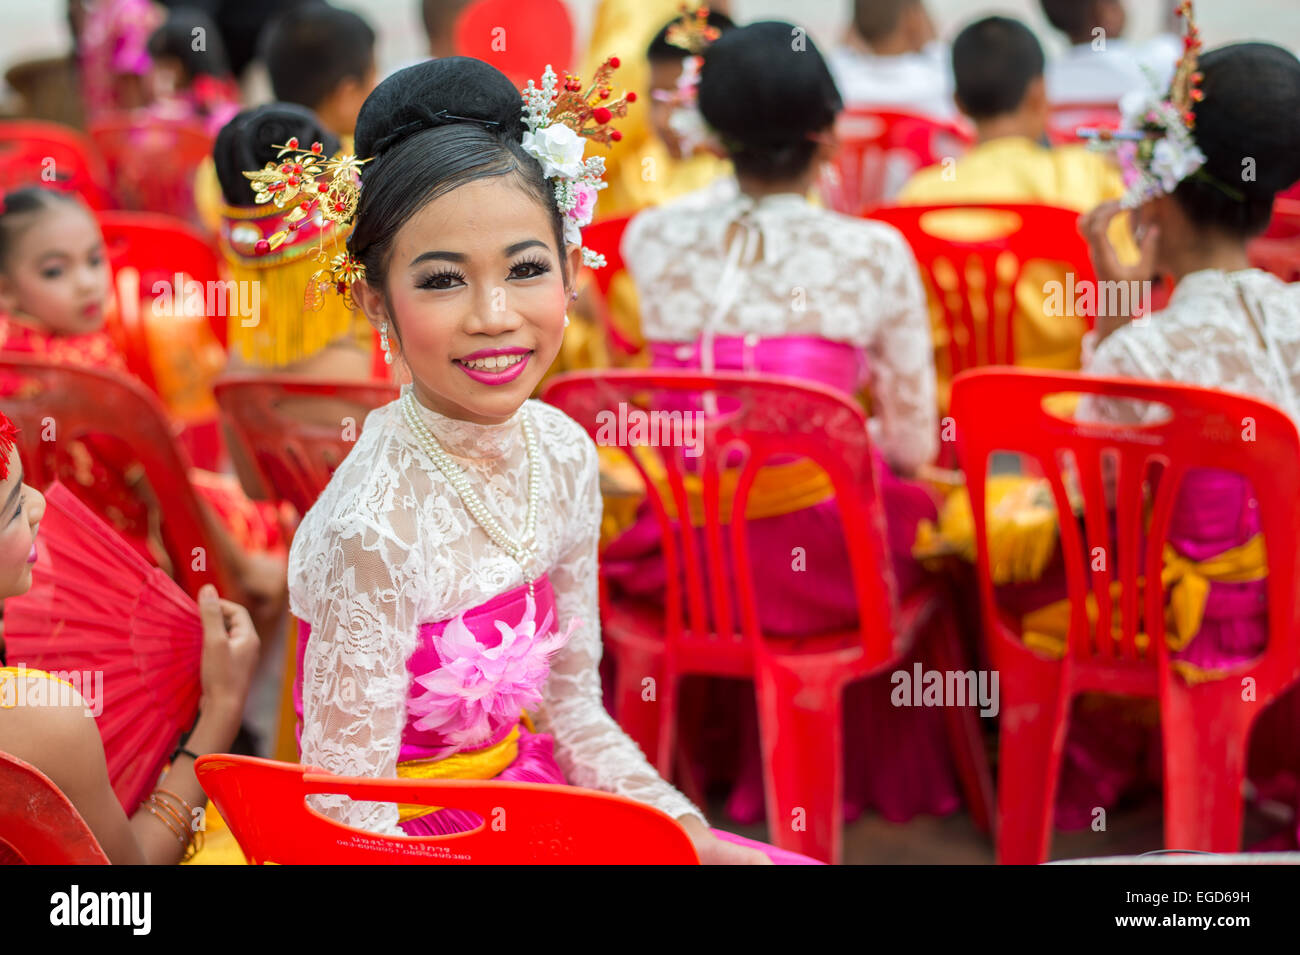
(891, 60)
(1100, 67)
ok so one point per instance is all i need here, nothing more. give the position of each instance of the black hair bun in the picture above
(438, 93)
(1252, 98)
(247, 142)
(767, 84)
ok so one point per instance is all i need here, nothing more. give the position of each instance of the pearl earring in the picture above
(566, 321)
(383, 343)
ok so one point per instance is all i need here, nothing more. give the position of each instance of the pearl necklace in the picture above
(520, 551)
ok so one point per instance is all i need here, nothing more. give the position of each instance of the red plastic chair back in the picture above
(297, 431)
(879, 151)
(1205, 725)
(34, 153)
(38, 824)
(972, 283)
(1278, 249)
(264, 802)
(1065, 121)
(158, 248)
(519, 37)
(606, 238)
(759, 418)
(152, 162)
(59, 407)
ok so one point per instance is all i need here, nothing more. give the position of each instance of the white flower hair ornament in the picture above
(560, 117)
(1155, 146)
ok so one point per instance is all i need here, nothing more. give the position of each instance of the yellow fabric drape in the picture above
(1187, 585)
(778, 489)
(1020, 523)
(486, 763)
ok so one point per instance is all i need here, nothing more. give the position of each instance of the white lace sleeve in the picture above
(902, 365)
(355, 680)
(590, 748)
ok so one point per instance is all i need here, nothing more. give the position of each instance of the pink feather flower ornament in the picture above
(478, 687)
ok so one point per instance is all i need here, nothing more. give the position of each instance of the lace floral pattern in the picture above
(389, 546)
(1206, 337)
(800, 271)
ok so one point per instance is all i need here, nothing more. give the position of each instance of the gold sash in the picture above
(1187, 584)
(486, 763)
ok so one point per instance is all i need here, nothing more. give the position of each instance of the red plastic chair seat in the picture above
(48, 154)
(152, 162)
(295, 431)
(84, 403)
(1205, 726)
(701, 628)
(264, 803)
(880, 149)
(38, 824)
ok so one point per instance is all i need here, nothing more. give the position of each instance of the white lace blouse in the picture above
(725, 264)
(389, 546)
(1234, 331)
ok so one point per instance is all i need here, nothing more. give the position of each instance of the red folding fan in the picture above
(97, 607)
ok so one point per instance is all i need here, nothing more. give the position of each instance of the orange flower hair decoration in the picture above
(326, 191)
(560, 118)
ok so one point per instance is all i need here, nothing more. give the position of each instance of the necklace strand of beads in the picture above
(521, 551)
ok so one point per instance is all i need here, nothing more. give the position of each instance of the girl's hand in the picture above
(230, 653)
(715, 851)
(1094, 226)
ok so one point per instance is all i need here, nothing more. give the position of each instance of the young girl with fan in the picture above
(61, 739)
(446, 578)
(54, 287)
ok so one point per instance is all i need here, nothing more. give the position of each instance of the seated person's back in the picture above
(998, 65)
(891, 60)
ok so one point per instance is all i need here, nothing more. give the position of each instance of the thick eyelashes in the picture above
(445, 279)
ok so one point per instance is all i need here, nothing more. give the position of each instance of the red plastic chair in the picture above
(1205, 727)
(879, 151)
(799, 684)
(606, 238)
(973, 283)
(1278, 249)
(31, 152)
(152, 162)
(518, 37)
(296, 431)
(1065, 121)
(158, 247)
(56, 407)
(38, 824)
(264, 802)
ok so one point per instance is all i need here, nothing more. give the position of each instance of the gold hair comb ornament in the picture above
(559, 121)
(692, 32)
(326, 191)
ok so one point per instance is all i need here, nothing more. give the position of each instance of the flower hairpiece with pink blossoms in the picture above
(561, 117)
